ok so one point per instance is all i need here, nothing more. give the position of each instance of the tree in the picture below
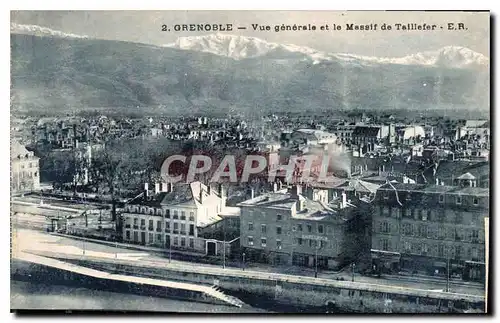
(59, 167)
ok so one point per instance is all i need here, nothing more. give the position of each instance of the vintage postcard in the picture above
(250, 161)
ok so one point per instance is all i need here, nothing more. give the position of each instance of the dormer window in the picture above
(441, 198)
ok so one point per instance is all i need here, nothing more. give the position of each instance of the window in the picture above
(309, 228)
(263, 242)
(299, 241)
(322, 244)
(167, 226)
(250, 241)
(384, 244)
(441, 198)
(385, 227)
(183, 228)
(158, 226)
(183, 242)
(150, 226)
(151, 238)
(250, 226)
(191, 229)
(158, 238)
(143, 224)
(278, 244)
(407, 246)
(263, 228)
(278, 230)
(475, 236)
(127, 235)
(183, 215)
(312, 243)
(441, 250)
(191, 216)
(191, 243)
(459, 199)
(175, 215)
(167, 213)
(176, 228)
(299, 227)
(279, 217)
(425, 248)
(426, 216)
(475, 201)
(458, 252)
(320, 228)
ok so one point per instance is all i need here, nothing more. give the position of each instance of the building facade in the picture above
(25, 169)
(286, 227)
(430, 228)
(171, 218)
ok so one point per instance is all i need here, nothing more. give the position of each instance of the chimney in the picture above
(344, 200)
(309, 192)
(300, 204)
(157, 188)
(209, 189)
(296, 190)
(201, 193)
(146, 190)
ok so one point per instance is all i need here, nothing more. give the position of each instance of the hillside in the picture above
(65, 73)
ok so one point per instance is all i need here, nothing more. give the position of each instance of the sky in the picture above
(145, 27)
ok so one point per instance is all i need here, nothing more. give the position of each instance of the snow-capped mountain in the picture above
(241, 47)
(449, 56)
(42, 31)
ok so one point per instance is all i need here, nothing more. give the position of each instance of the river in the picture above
(39, 296)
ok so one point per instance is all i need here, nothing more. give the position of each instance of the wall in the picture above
(291, 292)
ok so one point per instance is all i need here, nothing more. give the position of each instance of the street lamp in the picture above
(243, 261)
(353, 265)
(224, 246)
(316, 263)
(448, 274)
(169, 250)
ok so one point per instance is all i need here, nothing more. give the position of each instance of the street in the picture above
(29, 240)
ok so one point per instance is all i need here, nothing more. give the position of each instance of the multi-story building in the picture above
(288, 227)
(172, 217)
(25, 170)
(432, 228)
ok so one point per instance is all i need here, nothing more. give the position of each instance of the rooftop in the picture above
(312, 210)
(430, 188)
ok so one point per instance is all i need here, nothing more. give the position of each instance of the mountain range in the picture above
(224, 73)
(241, 47)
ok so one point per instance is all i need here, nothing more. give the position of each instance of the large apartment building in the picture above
(173, 215)
(300, 228)
(25, 170)
(432, 228)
